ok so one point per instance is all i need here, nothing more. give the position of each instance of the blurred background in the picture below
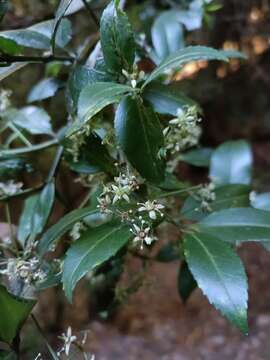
(152, 323)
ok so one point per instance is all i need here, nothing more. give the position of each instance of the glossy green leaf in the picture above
(37, 37)
(198, 157)
(33, 119)
(60, 13)
(140, 136)
(261, 201)
(79, 78)
(231, 163)
(13, 313)
(94, 247)
(220, 274)
(228, 196)
(117, 39)
(186, 283)
(64, 32)
(61, 227)
(36, 211)
(166, 99)
(190, 54)
(44, 89)
(93, 158)
(238, 225)
(94, 98)
(25, 223)
(167, 34)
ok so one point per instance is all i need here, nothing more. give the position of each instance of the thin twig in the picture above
(8, 59)
(55, 163)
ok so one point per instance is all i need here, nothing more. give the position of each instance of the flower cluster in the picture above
(142, 229)
(26, 270)
(183, 132)
(120, 189)
(5, 99)
(134, 77)
(10, 188)
(76, 141)
(70, 339)
(206, 195)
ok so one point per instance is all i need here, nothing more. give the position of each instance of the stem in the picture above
(40, 330)
(56, 163)
(178, 192)
(8, 59)
(91, 12)
(85, 200)
(19, 134)
(8, 217)
(29, 149)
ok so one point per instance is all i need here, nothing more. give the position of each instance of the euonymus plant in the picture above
(128, 126)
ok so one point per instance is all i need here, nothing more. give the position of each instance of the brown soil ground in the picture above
(155, 325)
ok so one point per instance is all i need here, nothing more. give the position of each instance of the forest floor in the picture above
(155, 325)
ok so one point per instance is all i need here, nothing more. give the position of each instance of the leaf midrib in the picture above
(238, 310)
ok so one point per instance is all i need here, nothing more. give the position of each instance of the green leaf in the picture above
(198, 157)
(60, 13)
(140, 136)
(79, 78)
(186, 283)
(25, 223)
(166, 99)
(190, 54)
(33, 119)
(94, 157)
(37, 209)
(261, 201)
(167, 34)
(231, 163)
(94, 247)
(238, 225)
(37, 37)
(94, 98)
(117, 40)
(61, 227)
(228, 196)
(44, 89)
(13, 313)
(220, 274)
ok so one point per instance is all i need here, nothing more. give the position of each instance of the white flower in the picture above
(27, 270)
(77, 229)
(183, 131)
(143, 233)
(120, 193)
(5, 99)
(10, 188)
(68, 339)
(153, 208)
(206, 195)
